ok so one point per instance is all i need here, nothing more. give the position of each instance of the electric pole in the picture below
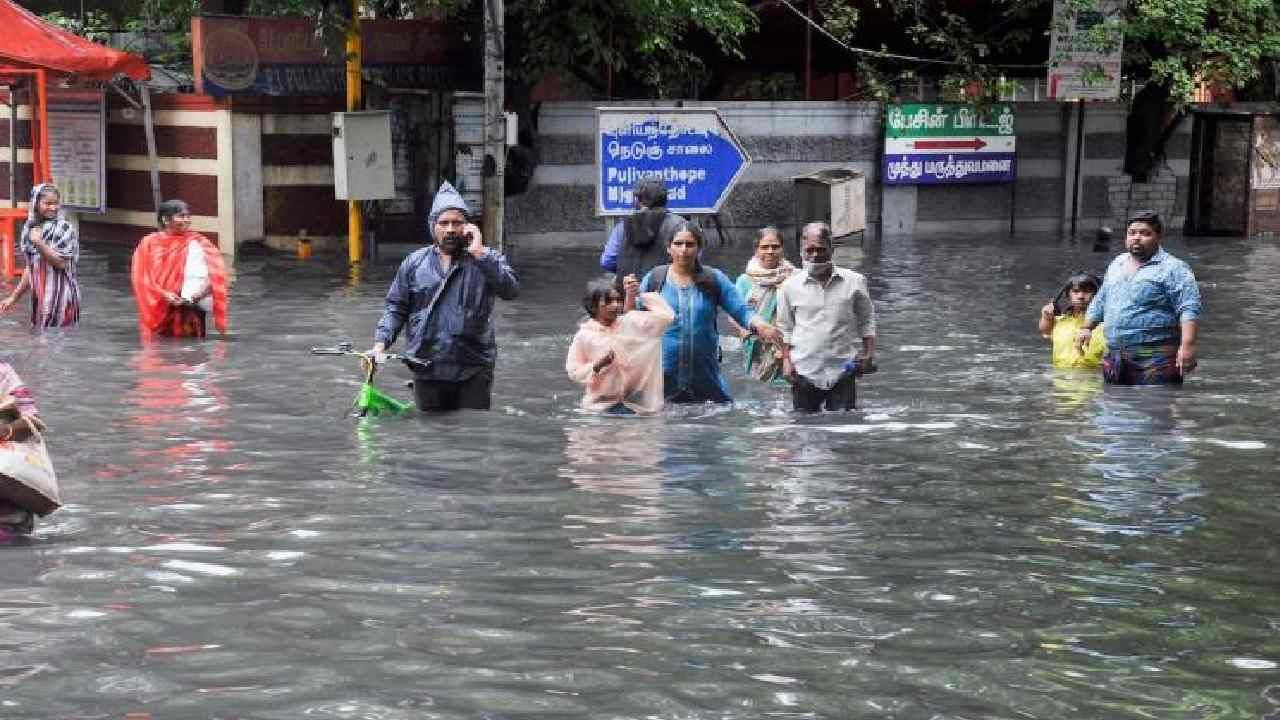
(495, 124)
(355, 92)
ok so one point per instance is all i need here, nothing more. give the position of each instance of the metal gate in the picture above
(1219, 192)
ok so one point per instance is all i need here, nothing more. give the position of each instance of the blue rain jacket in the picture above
(456, 335)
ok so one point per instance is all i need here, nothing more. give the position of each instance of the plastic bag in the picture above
(27, 479)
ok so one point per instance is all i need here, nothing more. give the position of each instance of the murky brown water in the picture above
(984, 539)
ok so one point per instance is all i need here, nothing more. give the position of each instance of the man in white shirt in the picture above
(823, 311)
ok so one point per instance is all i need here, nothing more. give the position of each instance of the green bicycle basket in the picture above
(372, 401)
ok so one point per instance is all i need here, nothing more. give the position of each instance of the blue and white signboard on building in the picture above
(691, 149)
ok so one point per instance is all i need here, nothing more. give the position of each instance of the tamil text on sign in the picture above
(939, 143)
(691, 149)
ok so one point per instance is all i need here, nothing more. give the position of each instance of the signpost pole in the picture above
(149, 129)
(495, 124)
(40, 124)
(355, 221)
(13, 146)
(1075, 179)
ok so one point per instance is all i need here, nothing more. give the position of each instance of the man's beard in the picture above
(1140, 253)
(451, 244)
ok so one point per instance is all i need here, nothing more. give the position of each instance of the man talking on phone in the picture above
(444, 294)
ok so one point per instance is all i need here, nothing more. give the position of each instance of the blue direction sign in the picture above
(690, 148)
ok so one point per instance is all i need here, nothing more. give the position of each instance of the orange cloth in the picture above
(158, 266)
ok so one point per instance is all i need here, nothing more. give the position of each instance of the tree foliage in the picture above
(658, 44)
(1182, 41)
(1171, 43)
(157, 29)
(961, 43)
(657, 47)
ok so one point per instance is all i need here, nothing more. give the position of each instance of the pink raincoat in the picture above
(634, 378)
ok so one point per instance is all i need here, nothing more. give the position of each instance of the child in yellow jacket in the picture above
(1062, 318)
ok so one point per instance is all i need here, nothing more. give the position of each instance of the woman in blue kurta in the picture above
(691, 345)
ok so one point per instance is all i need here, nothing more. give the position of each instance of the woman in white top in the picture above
(178, 278)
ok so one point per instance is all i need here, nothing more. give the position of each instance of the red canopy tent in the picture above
(29, 42)
(33, 50)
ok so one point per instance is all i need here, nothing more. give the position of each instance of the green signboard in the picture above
(937, 143)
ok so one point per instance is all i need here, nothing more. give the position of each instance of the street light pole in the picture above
(495, 124)
(355, 222)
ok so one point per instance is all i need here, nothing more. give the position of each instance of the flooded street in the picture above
(984, 538)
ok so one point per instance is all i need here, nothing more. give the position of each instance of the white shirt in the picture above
(824, 322)
(195, 275)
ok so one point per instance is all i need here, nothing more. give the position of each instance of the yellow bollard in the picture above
(304, 245)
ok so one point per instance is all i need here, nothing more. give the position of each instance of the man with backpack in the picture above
(639, 242)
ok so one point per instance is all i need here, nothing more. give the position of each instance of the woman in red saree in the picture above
(178, 278)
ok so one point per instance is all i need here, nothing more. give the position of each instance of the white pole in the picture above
(495, 124)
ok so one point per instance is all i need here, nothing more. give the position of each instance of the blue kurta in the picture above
(691, 346)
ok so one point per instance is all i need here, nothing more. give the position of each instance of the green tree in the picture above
(658, 46)
(1183, 41)
(1171, 44)
(956, 47)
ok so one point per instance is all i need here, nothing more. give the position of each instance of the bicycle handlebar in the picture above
(346, 348)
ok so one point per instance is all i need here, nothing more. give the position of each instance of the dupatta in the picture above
(159, 265)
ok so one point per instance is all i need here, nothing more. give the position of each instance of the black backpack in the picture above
(702, 277)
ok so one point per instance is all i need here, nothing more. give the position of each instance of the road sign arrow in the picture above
(691, 149)
(973, 145)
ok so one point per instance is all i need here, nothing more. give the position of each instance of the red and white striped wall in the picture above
(255, 169)
(23, 188)
(192, 133)
(294, 136)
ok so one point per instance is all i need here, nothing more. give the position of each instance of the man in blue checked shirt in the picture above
(1149, 306)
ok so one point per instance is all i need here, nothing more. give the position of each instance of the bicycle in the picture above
(370, 400)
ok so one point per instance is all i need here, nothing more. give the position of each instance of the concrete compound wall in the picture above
(786, 139)
(262, 171)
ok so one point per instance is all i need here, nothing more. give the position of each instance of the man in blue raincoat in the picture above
(444, 294)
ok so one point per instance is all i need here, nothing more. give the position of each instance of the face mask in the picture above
(817, 268)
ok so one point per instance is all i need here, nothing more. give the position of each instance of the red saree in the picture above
(159, 265)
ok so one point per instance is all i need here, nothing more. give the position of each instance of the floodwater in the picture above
(982, 539)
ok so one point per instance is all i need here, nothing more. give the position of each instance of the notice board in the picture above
(78, 148)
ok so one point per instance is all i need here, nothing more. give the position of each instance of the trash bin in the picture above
(836, 197)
